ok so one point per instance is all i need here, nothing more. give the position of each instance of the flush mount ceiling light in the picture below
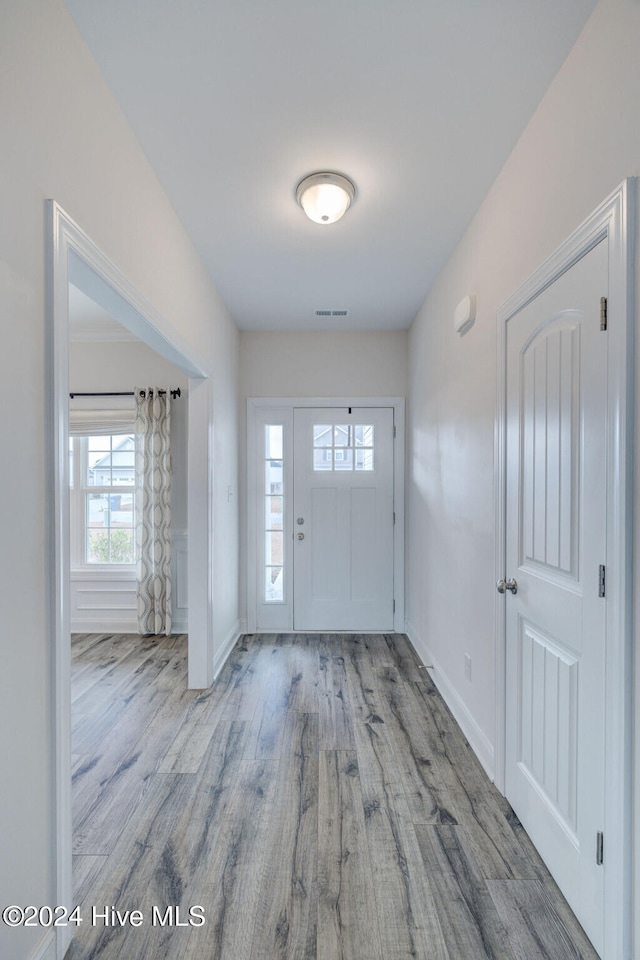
(325, 197)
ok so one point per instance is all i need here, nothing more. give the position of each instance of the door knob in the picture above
(504, 585)
(301, 536)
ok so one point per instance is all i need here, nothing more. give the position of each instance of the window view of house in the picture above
(343, 447)
(102, 499)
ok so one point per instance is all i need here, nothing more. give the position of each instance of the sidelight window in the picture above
(274, 494)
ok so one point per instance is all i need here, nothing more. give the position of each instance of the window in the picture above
(343, 447)
(274, 513)
(102, 500)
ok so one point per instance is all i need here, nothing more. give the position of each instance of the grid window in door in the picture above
(343, 446)
(274, 494)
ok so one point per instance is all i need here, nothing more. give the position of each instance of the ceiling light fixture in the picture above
(325, 197)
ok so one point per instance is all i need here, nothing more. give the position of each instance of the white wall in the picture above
(315, 363)
(580, 144)
(322, 363)
(65, 138)
(108, 604)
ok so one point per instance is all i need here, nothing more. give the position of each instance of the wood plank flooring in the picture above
(319, 802)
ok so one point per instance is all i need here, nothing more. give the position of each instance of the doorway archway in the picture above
(73, 257)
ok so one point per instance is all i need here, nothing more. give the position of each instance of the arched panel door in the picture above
(556, 546)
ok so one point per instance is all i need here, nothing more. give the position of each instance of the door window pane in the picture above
(343, 446)
(273, 440)
(273, 548)
(342, 435)
(323, 459)
(363, 435)
(273, 513)
(322, 435)
(364, 459)
(274, 585)
(343, 460)
(273, 477)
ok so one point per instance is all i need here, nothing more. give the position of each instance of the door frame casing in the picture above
(613, 220)
(72, 255)
(257, 409)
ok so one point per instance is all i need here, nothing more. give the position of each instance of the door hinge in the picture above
(394, 431)
(601, 580)
(599, 847)
(394, 518)
(394, 606)
(603, 313)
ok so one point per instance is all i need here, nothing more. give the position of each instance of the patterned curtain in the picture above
(153, 510)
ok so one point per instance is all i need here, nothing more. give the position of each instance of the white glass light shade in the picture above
(325, 197)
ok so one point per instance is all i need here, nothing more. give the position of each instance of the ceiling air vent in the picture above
(331, 313)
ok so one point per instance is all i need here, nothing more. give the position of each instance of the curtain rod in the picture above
(127, 393)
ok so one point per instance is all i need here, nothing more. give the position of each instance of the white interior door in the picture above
(343, 519)
(556, 542)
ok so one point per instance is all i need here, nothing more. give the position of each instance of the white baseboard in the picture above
(478, 740)
(46, 949)
(121, 626)
(106, 626)
(221, 655)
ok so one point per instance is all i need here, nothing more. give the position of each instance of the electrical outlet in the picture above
(467, 666)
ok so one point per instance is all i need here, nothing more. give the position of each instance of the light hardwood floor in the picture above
(318, 803)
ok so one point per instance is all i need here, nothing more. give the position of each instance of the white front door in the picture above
(343, 519)
(555, 545)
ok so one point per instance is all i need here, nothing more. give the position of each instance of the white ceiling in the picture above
(419, 102)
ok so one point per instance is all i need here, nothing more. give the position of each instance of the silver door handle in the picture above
(301, 536)
(504, 585)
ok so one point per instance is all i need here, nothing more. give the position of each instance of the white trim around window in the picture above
(271, 615)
